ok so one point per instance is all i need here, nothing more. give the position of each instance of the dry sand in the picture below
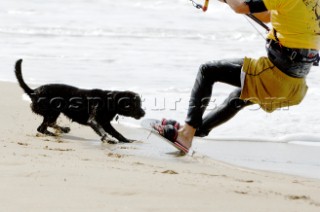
(66, 173)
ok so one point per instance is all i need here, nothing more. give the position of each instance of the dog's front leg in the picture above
(114, 133)
(98, 129)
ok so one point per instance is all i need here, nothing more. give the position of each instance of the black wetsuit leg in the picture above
(228, 109)
(225, 71)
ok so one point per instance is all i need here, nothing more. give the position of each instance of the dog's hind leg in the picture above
(48, 121)
(59, 128)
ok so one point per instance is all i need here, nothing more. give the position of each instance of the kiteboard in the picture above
(153, 124)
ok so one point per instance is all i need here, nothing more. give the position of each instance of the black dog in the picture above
(95, 108)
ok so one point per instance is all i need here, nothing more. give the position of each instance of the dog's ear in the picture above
(124, 99)
(126, 102)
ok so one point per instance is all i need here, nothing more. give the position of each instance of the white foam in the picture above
(292, 138)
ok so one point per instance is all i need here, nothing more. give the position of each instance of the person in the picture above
(275, 81)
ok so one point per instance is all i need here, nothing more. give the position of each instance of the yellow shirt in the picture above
(297, 22)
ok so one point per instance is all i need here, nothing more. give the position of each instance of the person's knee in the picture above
(208, 69)
(234, 100)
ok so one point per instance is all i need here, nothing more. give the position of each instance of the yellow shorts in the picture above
(266, 85)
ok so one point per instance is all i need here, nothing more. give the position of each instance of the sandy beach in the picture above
(68, 173)
(123, 45)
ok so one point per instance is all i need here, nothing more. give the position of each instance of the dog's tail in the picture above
(18, 73)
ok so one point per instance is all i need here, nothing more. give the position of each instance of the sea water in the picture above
(154, 48)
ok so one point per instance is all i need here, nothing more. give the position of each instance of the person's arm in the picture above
(250, 6)
(239, 6)
(263, 16)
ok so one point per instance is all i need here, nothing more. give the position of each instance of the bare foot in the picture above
(186, 134)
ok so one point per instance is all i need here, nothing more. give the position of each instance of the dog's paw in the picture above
(49, 133)
(65, 129)
(112, 142)
(105, 139)
(127, 141)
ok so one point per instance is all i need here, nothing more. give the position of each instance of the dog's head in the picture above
(129, 104)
